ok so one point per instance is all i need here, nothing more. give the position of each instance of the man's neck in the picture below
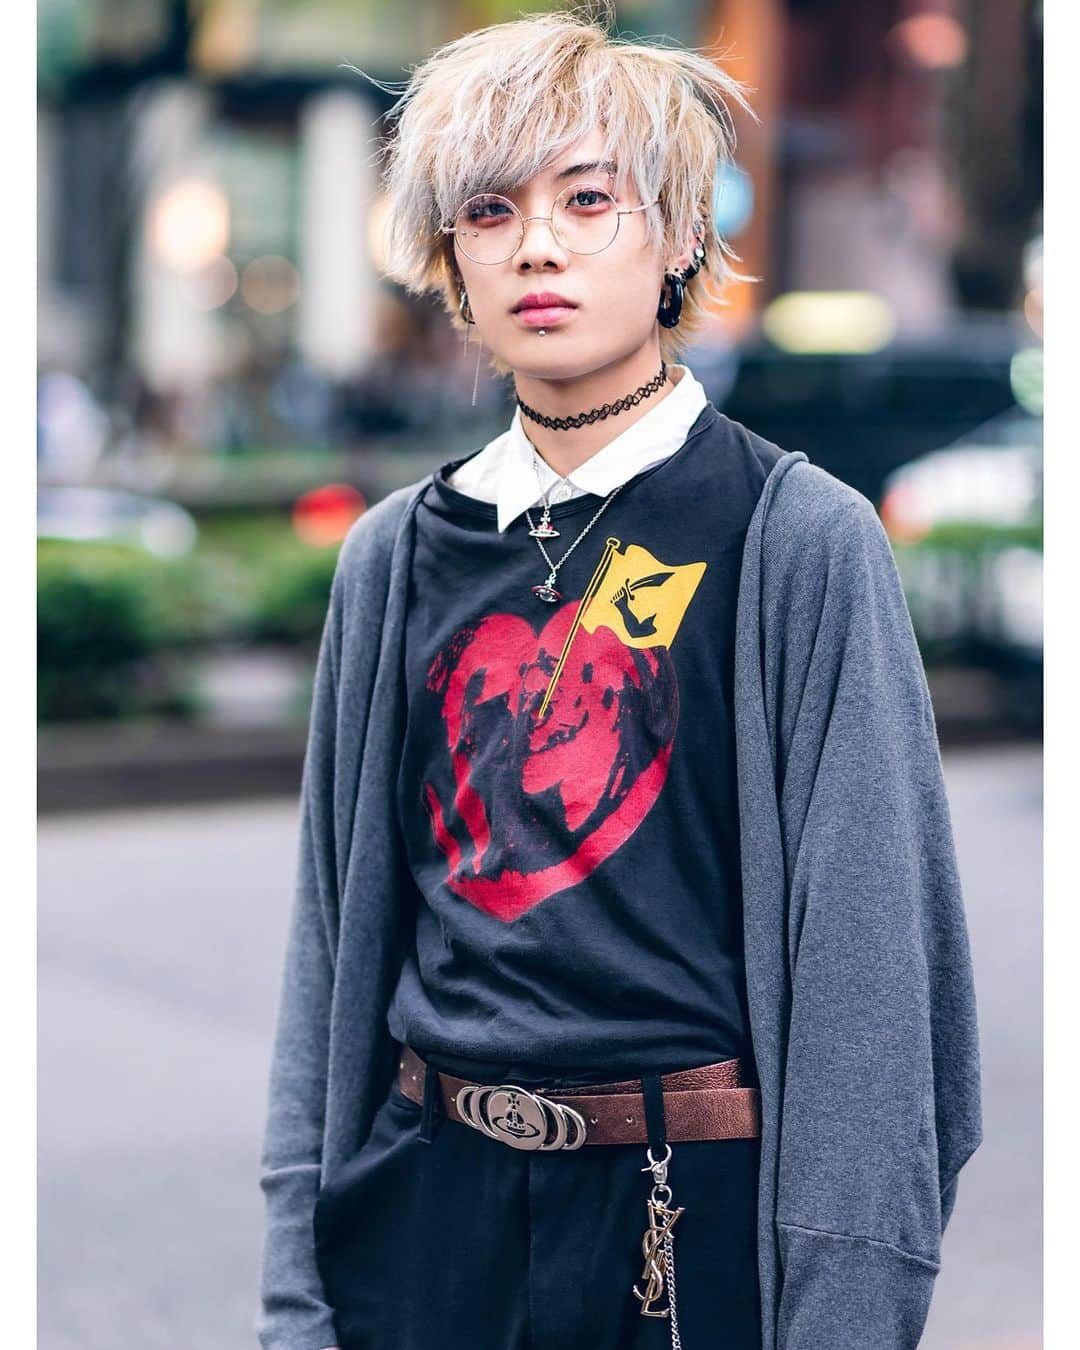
(565, 450)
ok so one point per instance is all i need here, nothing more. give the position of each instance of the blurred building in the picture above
(209, 211)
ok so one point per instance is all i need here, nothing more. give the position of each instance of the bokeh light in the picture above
(211, 286)
(322, 516)
(189, 224)
(933, 41)
(270, 284)
(1026, 375)
(829, 321)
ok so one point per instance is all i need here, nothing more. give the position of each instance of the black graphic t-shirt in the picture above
(567, 790)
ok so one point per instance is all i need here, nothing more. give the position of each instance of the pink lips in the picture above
(540, 311)
(541, 318)
(543, 300)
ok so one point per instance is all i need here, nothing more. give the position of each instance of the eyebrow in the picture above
(571, 171)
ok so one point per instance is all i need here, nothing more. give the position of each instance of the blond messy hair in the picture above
(494, 107)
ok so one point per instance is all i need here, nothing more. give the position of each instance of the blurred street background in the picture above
(226, 380)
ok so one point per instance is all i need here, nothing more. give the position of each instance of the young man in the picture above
(628, 996)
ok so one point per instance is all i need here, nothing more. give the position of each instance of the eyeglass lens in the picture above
(489, 227)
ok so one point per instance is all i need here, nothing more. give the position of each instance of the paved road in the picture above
(161, 937)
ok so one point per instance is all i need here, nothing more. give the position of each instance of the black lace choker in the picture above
(595, 414)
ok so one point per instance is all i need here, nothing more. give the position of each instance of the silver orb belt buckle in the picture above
(520, 1118)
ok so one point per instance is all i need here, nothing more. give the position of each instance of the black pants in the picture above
(464, 1243)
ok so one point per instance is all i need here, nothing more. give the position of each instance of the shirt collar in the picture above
(652, 438)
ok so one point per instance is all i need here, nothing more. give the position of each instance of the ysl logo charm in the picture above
(654, 1247)
(657, 1246)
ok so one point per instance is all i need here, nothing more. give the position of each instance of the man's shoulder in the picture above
(383, 518)
(821, 540)
(811, 512)
(370, 538)
(798, 498)
(764, 452)
(810, 487)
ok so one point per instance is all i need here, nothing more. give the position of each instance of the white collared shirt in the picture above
(504, 472)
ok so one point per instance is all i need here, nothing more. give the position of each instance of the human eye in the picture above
(486, 211)
(589, 200)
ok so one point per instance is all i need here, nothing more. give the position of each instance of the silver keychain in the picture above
(660, 1268)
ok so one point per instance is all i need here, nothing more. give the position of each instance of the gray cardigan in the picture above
(858, 967)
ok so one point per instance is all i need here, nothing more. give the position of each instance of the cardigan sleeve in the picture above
(881, 1101)
(293, 1314)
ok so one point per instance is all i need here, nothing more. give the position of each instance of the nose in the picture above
(540, 245)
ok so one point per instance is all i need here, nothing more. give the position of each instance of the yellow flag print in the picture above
(641, 599)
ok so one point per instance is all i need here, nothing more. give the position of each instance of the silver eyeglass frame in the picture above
(550, 219)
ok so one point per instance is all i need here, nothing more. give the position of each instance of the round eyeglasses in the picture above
(489, 228)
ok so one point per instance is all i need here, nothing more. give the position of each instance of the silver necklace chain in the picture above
(546, 590)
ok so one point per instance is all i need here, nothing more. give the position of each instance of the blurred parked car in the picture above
(966, 524)
(862, 414)
(82, 513)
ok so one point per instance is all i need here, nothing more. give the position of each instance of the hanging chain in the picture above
(669, 1259)
(658, 1273)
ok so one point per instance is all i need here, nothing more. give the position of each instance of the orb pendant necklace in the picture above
(545, 590)
(545, 530)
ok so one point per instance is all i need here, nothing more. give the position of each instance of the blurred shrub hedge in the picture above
(975, 536)
(120, 631)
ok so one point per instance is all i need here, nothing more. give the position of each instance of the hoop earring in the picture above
(669, 311)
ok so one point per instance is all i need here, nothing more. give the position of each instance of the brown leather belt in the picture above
(708, 1102)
